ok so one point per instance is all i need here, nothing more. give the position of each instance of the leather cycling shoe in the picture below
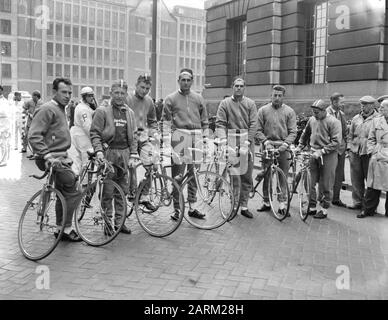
(363, 214)
(196, 214)
(264, 207)
(148, 205)
(339, 203)
(354, 207)
(125, 230)
(176, 215)
(247, 214)
(71, 237)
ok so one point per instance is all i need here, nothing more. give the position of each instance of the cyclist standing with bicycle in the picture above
(237, 122)
(147, 126)
(276, 128)
(325, 134)
(187, 113)
(49, 137)
(113, 137)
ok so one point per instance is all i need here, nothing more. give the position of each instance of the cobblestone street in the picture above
(246, 259)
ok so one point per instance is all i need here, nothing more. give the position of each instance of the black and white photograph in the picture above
(196, 156)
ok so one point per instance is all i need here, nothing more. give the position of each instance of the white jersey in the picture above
(83, 116)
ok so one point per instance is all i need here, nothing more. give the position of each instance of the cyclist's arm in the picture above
(291, 128)
(221, 122)
(96, 129)
(305, 137)
(151, 120)
(40, 125)
(260, 136)
(252, 123)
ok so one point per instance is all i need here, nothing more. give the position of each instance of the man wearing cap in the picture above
(276, 128)
(185, 111)
(357, 145)
(335, 109)
(147, 127)
(377, 149)
(80, 135)
(237, 122)
(113, 137)
(30, 107)
(324, 133)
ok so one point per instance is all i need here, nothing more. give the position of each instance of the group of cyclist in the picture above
(122, 133)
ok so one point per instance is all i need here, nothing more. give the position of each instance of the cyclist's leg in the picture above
(122, 181)
(315, 172)
(66, 183)
(192, 187)
(284, 165)
(177, 171)
(246, 183)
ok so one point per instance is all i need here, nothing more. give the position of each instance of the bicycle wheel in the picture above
(103, 209)
(278, 193)
(131, 196)
(304, 195)
(160, 190)
(37, 224)
(213, 196)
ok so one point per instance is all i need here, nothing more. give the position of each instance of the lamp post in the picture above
(2, 51)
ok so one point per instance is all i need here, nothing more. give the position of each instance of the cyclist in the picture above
(80, 136)
(5, 124)
(237, 119)
(324, 133)
(49, 137)
(186, 111)
(113, 136)
(276, 128)
(30, 107)
(147, 126)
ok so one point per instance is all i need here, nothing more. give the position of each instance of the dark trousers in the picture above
(323, 175)
(242, 183)
(372, 199)
(65, 183)
(119, 159)
(358, 174)
(284, 164)
(339, 177)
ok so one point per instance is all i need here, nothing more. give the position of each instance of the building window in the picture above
(58, 70)
(83, 73)
(107, 19)
(92, 16)
(67, 50)
(115, 20)
(106, 55)
(84, 15)
(50, 70)
(67, 31)
(50, 49)
(5, 26)
(140, 25)
(100, 17)
(106, 74)
(50, 30)
(121, 74)
(58, 30)
(59, 10)
(76, 33)
(99, 54)
(67, 71)
(6, 48)
(84, 34)
(76, 14)
(75, 52)
(92, 32)
(99, 73)
(6, 70)
(75, 72)
(316, 42)
(91, 54)
(5, 5)
(114, 74)
(99, 35)
(239, 47)
(91, 73)
(67, 12)
(58, 50)
(84, 54)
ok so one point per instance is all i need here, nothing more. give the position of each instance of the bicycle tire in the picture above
(304, 195)
(97, 227)
(161, 188)
(37, 222)
(278, 188)
(217, 210)
(130, 199)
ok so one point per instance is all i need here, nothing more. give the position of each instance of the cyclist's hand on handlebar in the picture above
(133, 159)
(53, 162)
(283, 147)
(297, 150)
(268, 145)
(317, 154)
(100, 156)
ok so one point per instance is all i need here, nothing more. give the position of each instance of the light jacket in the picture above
(83, 116)
(359, 132)
(276, 124)
(323, 134)
(377, 146)
(344, 128)
(103, 130)
(237, 115)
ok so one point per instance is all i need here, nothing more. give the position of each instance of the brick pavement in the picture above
(246, 259)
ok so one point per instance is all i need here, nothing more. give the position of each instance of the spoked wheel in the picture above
(38, 234)
(304, 195)
(131, 196)
(213, 198)
(103, 210)
(159, 191)
(278, 193)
